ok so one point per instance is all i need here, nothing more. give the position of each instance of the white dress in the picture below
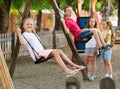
(37, 46)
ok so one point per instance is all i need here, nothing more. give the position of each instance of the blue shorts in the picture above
(85, 36)
(106, 55)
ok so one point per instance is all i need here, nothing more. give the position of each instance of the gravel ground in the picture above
(49, 75)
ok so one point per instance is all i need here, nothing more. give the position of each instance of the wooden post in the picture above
(4, 73)
(107, 83)
(73, 83)
(69, 39)
(17, 47)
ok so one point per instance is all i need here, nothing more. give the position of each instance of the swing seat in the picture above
(42, 59)
(82, 23)
(80, 47)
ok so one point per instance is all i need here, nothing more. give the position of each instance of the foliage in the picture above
(40, 4)
(17, 5)
(102, 4)
(1, 2)
(61, 3)
(45, 4)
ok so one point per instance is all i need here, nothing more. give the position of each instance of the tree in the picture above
(17, 47)
(4, 15)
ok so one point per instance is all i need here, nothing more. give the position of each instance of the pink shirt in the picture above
(73, 27)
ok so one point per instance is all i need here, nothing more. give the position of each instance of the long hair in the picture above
(112, 31)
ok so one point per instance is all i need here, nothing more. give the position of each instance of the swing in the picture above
(38, 59)
(82, 22)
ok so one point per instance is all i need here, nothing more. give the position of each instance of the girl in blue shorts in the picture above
(106, 54)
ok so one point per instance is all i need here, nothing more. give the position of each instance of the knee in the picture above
(57, 51)
(95, 30)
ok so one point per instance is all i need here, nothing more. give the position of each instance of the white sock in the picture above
(110, 75)
(106, 75)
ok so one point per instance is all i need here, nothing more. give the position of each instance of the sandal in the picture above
(79, 68)
(72, 73)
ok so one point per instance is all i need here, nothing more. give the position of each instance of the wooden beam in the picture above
(4, 73)
(69, 39)
(17, 47)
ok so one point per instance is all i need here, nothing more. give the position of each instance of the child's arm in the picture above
(80, 2)
(21, 39)
(107, 37)
(65, 27)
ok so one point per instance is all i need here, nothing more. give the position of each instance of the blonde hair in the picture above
(112, 31)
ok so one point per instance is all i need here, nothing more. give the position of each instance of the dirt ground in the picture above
(49, 75)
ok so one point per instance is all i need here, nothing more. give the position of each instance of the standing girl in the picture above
(107, 33)
(90, 51)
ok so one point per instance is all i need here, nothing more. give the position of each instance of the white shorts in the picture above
(89, 51)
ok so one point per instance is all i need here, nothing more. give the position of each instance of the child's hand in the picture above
(62, 19)
(18, 30)
(94, 1)
(81, 1)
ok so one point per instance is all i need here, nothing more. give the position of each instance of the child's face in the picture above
(28, 25)
(92, 22)
(104, 25)
(69, 11)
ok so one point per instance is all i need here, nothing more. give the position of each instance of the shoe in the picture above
(71, 74)
(91, 78)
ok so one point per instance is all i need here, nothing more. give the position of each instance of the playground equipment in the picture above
(107, 83)
(73, 83)
(4, 73)
(69, 39)
(82, 22)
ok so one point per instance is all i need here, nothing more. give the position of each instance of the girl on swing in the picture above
(29, 36)
(70, 24)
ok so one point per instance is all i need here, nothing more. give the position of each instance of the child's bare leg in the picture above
(93, 66)
(96, 36)
(67, 60)
(101, 38)
(58, 59)
(109, 67)
(105, 67)
(86, 58)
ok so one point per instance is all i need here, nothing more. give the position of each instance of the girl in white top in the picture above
(58, 54)
(91, 51)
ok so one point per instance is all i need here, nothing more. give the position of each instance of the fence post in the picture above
(73, 83)
(107, 83)
(4, 73)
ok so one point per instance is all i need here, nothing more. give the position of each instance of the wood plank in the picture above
(4, 73)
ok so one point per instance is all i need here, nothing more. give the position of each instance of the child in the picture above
(29, 39)
(90, 51)
(79, 34)
(106, 54)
